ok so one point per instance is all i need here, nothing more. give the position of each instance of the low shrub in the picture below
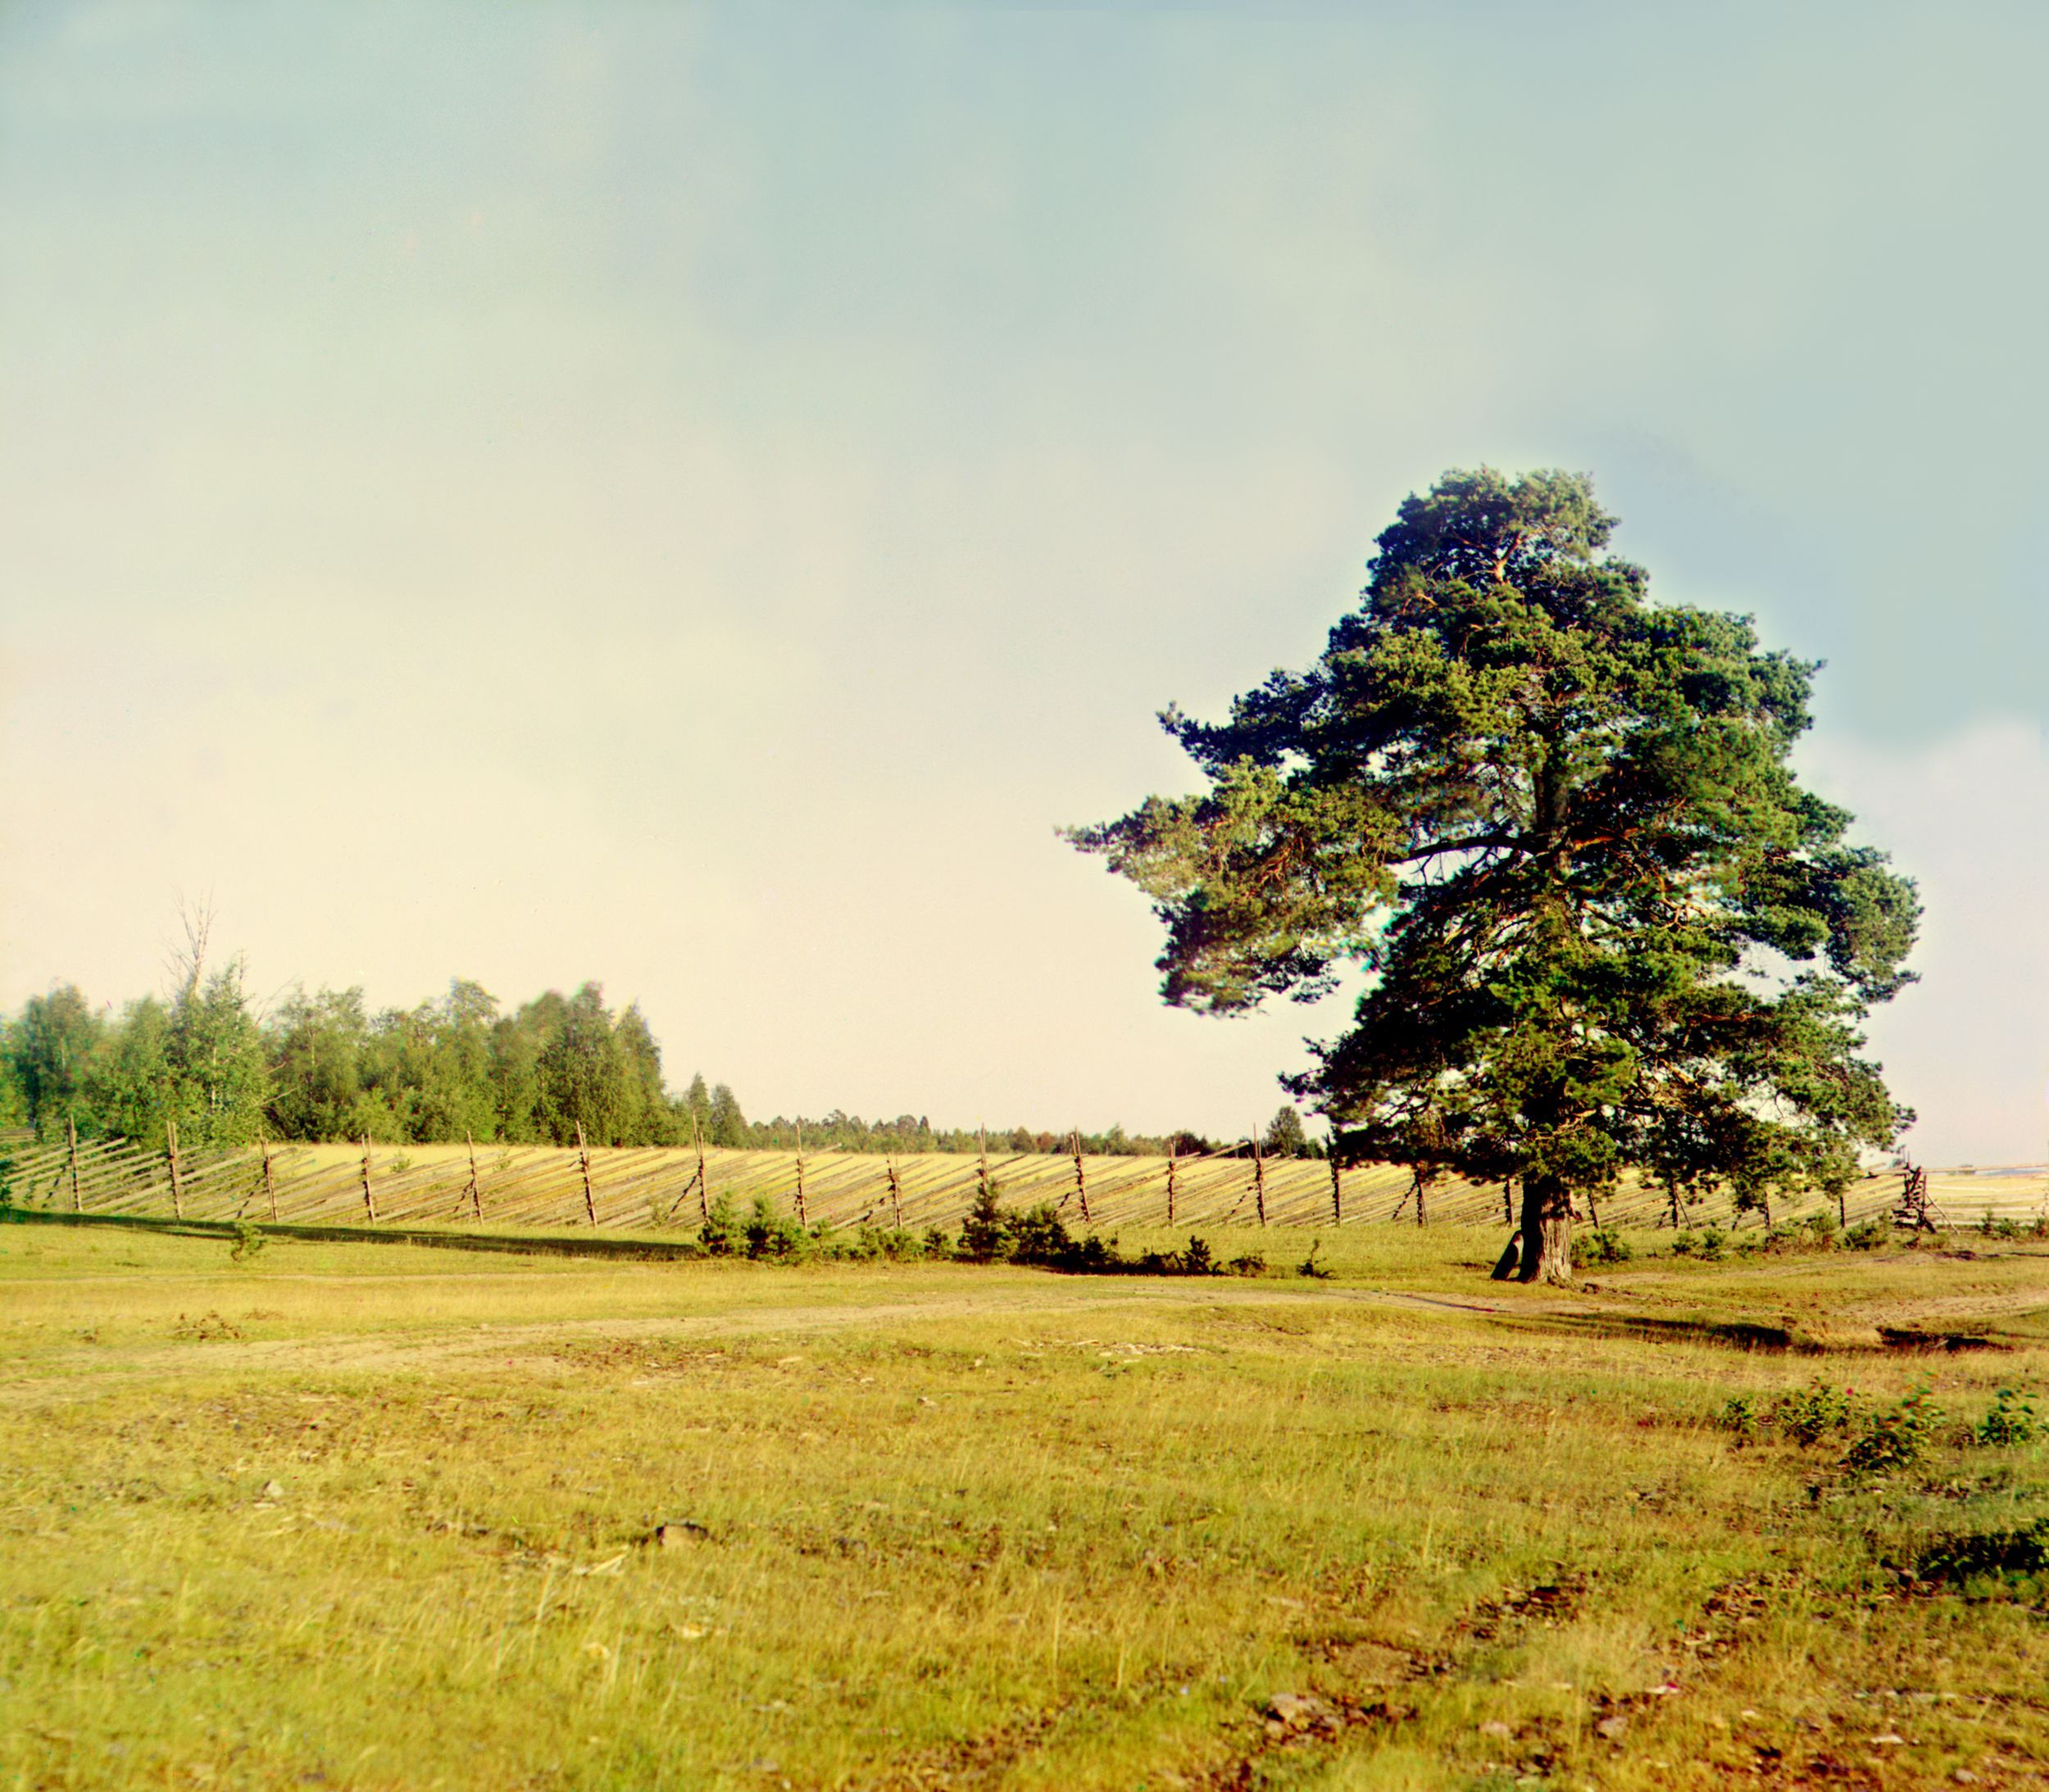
(1739, 1414)
(2010, 1421)
(892, 1244)
(1896, 1438)
(985, 1232)
(1039, 1237)
(1961, 1558)
(1868, 1235)
(1817, 1409)
(1804, 1417)
(721, 1234)
(249, 1240)
(1600, 1247)
(768, 1233)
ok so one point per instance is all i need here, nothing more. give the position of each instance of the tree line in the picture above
(322, 1066)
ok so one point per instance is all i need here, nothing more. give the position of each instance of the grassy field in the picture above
(367, 1516)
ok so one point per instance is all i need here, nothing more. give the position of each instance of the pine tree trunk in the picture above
(1547, 1240)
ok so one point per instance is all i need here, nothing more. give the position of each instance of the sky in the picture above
(691, 498)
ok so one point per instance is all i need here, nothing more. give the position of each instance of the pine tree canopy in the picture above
(1601, 925)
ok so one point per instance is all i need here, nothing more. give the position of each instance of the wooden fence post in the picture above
(982, 1166)
(70, 1129)
(1171, 1158)
(1337, 1187)
(475, 1189)
(803, 1219)
(704, 1186)
(270, 1177)
(1259, 1180)
(582, 1160)
(171, 1151)
(1081, 1178)
(1413, 1191)
(1422, 1185)
(896, 1194)
(370, 1200)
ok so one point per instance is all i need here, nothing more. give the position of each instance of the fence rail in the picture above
(666, 1188)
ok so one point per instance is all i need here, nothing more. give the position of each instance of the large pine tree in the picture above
(1602, 925)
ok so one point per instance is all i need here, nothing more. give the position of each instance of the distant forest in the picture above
(323, 1067)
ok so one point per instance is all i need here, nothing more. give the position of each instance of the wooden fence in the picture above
(669, 1190)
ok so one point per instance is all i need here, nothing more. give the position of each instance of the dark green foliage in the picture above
(1803, 1418)
(1556, 827)
(1739, 1414)
(1897, 1437)
(1817, 1231)
(910, 1133)
(323, 1067)
(51, 1049)
(200, 1061)
(892, 1244)
(721, 1235)
(14, 1099)
(1601, 1247)
(1708, 1245)
(1285, 1137)
(1816, 1410)
(1037, 1236)
(2010, 1421)
(728, 1125)
(1196, 1260)
(1868, 1235)
(317, 1047)
(1040, 1237)
(697, 1107)
(771, 1233)
(2016, 1560)
(1894, 1437)
(249, 1242)
(985, 1232)
(599, 1071)
(217, 1069)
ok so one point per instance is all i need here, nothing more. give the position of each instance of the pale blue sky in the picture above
(692, 496)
